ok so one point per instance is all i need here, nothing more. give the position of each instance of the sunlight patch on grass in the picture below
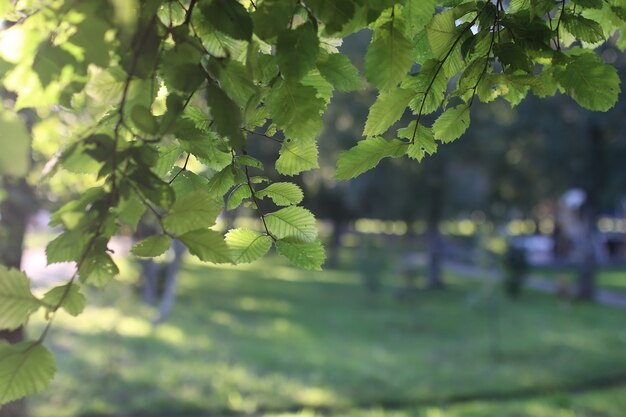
(264, 305)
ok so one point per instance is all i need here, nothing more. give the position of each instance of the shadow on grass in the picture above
(272, 338)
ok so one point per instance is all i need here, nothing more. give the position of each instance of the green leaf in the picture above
(67, 247)
(386, 110)
(592, 4)
(418, 13)
(131, 210)
(15, 145)
(304, 255)
(144, 120)
(452, 123)
(423, 141)
(236, 82)
(292, 222)
(366, 155)
(248, 161)
(207, 245)
(296, 156)
(441, 32)
(196, 210)
(221, 182)
(339, 71)
(246, 245)
(296, 110)
(282, 193)
(226, 115)
(586, 30)
(431, 79)
(152, 246)
(236, 197)
(26, 368)
(49, 62)
(590, 82)
(73, 300)
(270, 16)
(229, 17)
(17, 303)
(296, 51)
(388, 58)
(98, 269)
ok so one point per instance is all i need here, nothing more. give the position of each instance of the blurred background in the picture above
(487, 280)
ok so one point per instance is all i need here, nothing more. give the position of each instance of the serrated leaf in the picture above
(586, 30)
(15, 145)
(246, 245)
(423, 141)
(366, 155)
(282, 193)
(207, 245)
(249, 161)
(296, 110)
(292, 222)
(73, 300)
(338, 70)
(418, 13)
(67, 247)
(296, 51)
(590, 82)
(304, 255)
(17, 303)
(196, 210)
(131, 210)
(152, 246)
(26, 368)
(229, 17)
(221, 182)
(226, 115)
(386, 110)
(441, 32)
(388, 58)
(452, 123)
(270, 16)
(236, 82)
(98, 269)
(236, 197)
(430, 79)
(296, 156)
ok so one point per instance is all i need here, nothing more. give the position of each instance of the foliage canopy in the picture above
(160, 99)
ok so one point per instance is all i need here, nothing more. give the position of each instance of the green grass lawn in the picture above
(271, 337)
(610, 278)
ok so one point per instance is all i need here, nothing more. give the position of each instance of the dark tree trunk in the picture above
(435, 244)
(150, 272)
(15, 211)
(595, 172)
(339, 228)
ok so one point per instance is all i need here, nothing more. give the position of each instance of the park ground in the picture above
(271, 340)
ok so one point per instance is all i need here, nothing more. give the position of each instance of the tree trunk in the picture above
(150, 275)
(339, 228)
(15, 211)
(433, 274)
(595, 171)
(435, 244)
(171, 275)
